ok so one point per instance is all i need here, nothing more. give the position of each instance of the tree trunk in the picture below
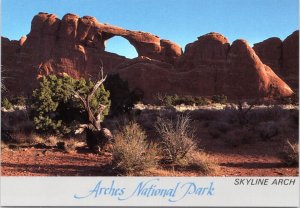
(96, 138)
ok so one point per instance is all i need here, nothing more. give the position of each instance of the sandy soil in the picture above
(257, 158)
(241, 161)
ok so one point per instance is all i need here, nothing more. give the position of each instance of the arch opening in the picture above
(120, 46)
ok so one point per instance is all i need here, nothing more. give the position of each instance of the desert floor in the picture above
(258, 157)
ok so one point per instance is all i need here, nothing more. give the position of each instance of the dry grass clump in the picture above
(131, 152)
(70, 145)
(52, 140)
(200, 161)
(177, 138)
(35, 139)
(267, 130)
(290, 154)
(4, 146)
(196, 164)
(160, 172)
(21, 138)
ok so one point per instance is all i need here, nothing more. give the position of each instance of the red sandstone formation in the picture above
(282, 57)
(290, 59)
(208, 67)
(76, 46)
(246, 73)
(270, 52)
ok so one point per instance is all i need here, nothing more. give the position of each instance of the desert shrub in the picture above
(267, 130)
(201, 101)
(190, 100)
(6, 104)
(291, 100)
(122, 99)
(55, 108)
(240, 136)
(177, 138)
(186, 100)
(25, 126)
(52, 140)
(203, 114)
(290, 154)
(17, 121)
(218, 128)
(294, 117)
(19, 100)
(4, 146)
(6, 136)
(35, 139)
(238, 113)
(172, 100)
(67, 145)
(169, 100)
(70, 145)
(219, 99)
(131, 152)
(200, 161)
(271, 113)
(21, 138)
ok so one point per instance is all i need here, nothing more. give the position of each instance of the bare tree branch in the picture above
(78, 96)
(81, 128)
(100, 110)
(98, 84)
(94, 119)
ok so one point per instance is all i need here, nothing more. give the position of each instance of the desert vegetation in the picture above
(131, 151)
(104, 129)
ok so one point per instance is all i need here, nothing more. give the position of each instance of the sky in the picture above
(180, 21)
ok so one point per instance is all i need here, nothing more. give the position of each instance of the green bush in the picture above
(122, 99)
(56, 109)
(6, 104)
(131, 152)
(222, 99)
(172, 100)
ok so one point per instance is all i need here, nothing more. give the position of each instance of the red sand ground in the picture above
(258, 159)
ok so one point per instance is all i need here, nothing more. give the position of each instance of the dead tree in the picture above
(96, 136)
(242, 113)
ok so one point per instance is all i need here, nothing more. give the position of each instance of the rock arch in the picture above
(120, 46)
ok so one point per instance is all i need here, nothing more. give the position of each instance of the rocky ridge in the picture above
(282, 57)
(209, 66)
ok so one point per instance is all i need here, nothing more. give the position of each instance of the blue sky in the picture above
(180, 21)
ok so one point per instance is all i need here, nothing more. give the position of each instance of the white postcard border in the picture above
(137, 191)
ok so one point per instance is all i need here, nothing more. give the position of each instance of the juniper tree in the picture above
(58, 111)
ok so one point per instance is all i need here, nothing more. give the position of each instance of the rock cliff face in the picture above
(234, 70)
(282, 57)
(208, 66)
